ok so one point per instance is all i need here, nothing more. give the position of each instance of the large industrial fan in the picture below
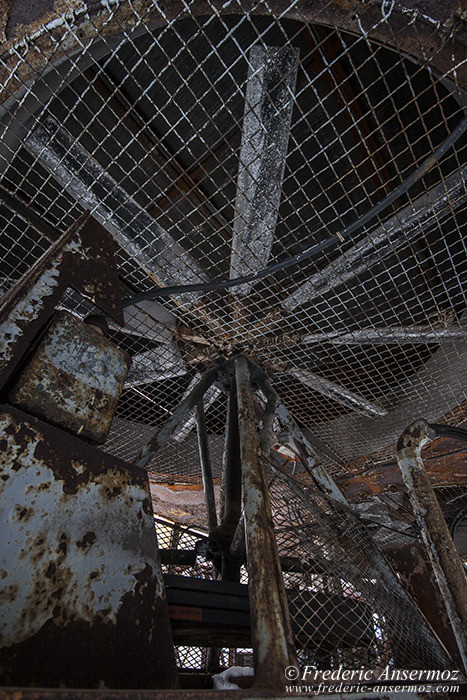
(285, 182)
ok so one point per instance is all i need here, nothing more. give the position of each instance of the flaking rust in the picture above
(441, 550)
(271, 631)
(83, 258)
(82, 600)
(74, 379)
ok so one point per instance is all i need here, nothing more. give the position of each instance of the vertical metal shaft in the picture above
(206, 470)
(232, 475)
(443, 554)
(231, 506)
(271, 632)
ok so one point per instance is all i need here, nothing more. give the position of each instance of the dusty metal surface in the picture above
(83, 602)
(387, 336)
(412, 565)
(443, 555)
(74, 379)
(82, 258)
(337, 393)
(270, 88)
(164, 260)
(271, 631)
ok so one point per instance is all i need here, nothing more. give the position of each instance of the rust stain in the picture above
(81, 574)
(74, 379)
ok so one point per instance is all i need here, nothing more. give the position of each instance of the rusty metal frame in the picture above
(83, 258)
(271, 630)
(443, 554)
(205, 462)
(178, 417)
(432, 21)
(83, 600)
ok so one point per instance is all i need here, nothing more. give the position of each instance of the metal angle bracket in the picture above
(82, 258)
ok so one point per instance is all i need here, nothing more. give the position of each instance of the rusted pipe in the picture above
(271, 632)
(206, 470)
(177, 417)
(443, 554)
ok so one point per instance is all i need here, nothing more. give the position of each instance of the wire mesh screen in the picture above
(214, 145)
(346, 605)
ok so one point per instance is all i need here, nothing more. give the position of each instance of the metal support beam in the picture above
(310, 458)
(177, 418)
(232, 468)
(163, 259)
(400, 229)
(206, 470)
(395, 335)
(271, 631)
(336, 392)
(188, 424)
(443, 554)
(269, 101)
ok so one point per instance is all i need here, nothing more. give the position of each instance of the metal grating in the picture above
(148, 125)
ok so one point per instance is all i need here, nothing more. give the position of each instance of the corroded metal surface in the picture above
(206, 470)
(393, 335)
(443, 469)
(82, 258)
(271, 631)
(422, 29)
(269, 102)
(443, 555)
(155, 250)
(74, 379)
(412, 565)
(82, 602)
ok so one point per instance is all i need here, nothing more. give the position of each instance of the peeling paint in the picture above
(78, 557)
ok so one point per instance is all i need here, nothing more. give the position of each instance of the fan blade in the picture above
(336, 392)
(210, 396)
(133, 228)
(395, 335)
(409, 222)
(163, 362)
(151, 320)
(267, 118)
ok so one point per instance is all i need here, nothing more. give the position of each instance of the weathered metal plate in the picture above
(82, 258)
(82, 601)
(74, 379)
